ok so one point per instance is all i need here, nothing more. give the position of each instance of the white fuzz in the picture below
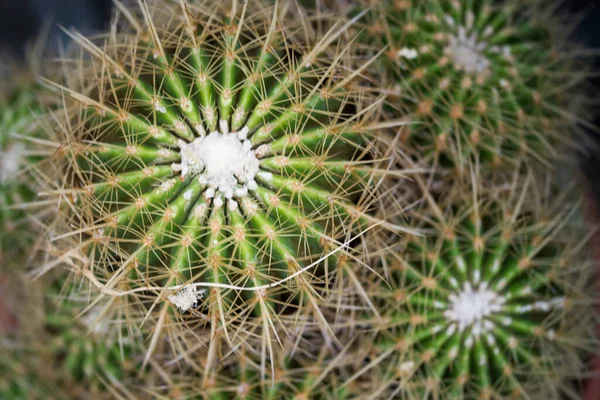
(95, 322)
(10, 162)
(186, 297)
(406, 367)
(222, 161)
(408, 53)
(470, 308)
(467, 53)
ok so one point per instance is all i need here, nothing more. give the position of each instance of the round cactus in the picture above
(479, 77)
(216, 159)
(484, 307)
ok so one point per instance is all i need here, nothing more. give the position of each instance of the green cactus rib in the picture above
(17, 117)
(477, 310)
(480, 77)
(230, 156)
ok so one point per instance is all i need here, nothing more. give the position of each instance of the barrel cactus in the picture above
(216, 165)
(491, 305)
(481, 78)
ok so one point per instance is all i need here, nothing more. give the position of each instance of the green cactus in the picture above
(299, 376)
(17, 119)
(481, 78)
(492, 304)
(216, 163)
(87, 346)
(209, 164)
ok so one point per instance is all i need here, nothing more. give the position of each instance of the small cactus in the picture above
(479, 77)
(484, 307)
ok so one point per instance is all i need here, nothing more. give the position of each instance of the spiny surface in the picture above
(480, 77)
(481, 308)
(86, 345)
(17, 119)
(222, 151)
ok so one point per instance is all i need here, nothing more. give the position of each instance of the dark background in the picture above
(20, 20)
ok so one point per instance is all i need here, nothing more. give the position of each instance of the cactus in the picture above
(17, 115)
(479, 77)
(217, 163)
(491, 305)
(301, 375)
(86, 344)
(210, 165)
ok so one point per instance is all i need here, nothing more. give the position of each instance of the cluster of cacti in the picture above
(248, 200)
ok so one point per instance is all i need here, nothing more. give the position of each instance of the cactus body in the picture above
(17, 117)
(481, 308)
(215, 163)
(479, 78)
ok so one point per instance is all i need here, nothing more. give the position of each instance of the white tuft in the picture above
(406, 367)
(408, 53)
(470, 308)
(243, 133)
(222, 162)
(232, 205)
(467, 53)
(200, 129)
(10, 161)
(186, 297)
(224, 126)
